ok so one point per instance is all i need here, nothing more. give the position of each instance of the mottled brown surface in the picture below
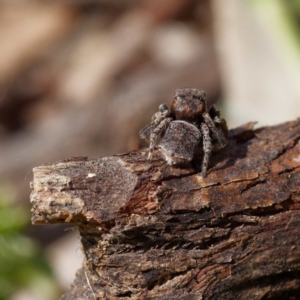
(151, 231)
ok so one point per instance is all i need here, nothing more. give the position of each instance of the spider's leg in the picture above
(215, 114)
(211, 125)
(156, 119)
(207, 147)
(155, 134)
(145, 132)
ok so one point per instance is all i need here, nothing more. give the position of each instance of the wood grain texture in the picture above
(151, 231)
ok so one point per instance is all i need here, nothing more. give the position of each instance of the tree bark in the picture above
(152, 231)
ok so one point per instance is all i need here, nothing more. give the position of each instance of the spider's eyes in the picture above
(200, 98)
(163, 107)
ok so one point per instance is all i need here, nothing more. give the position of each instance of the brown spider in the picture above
(183, 127)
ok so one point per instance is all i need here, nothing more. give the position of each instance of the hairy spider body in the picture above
(186, 126)
(179, 142)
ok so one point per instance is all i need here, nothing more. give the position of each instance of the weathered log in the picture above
(152, 231)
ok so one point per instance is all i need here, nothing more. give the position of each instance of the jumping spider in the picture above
(185, 127)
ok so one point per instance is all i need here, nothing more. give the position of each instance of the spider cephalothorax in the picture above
(188, 105)
(185, 127)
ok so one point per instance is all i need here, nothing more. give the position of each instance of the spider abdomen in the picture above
(179, 142)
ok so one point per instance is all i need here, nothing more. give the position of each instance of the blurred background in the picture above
(83, 77)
